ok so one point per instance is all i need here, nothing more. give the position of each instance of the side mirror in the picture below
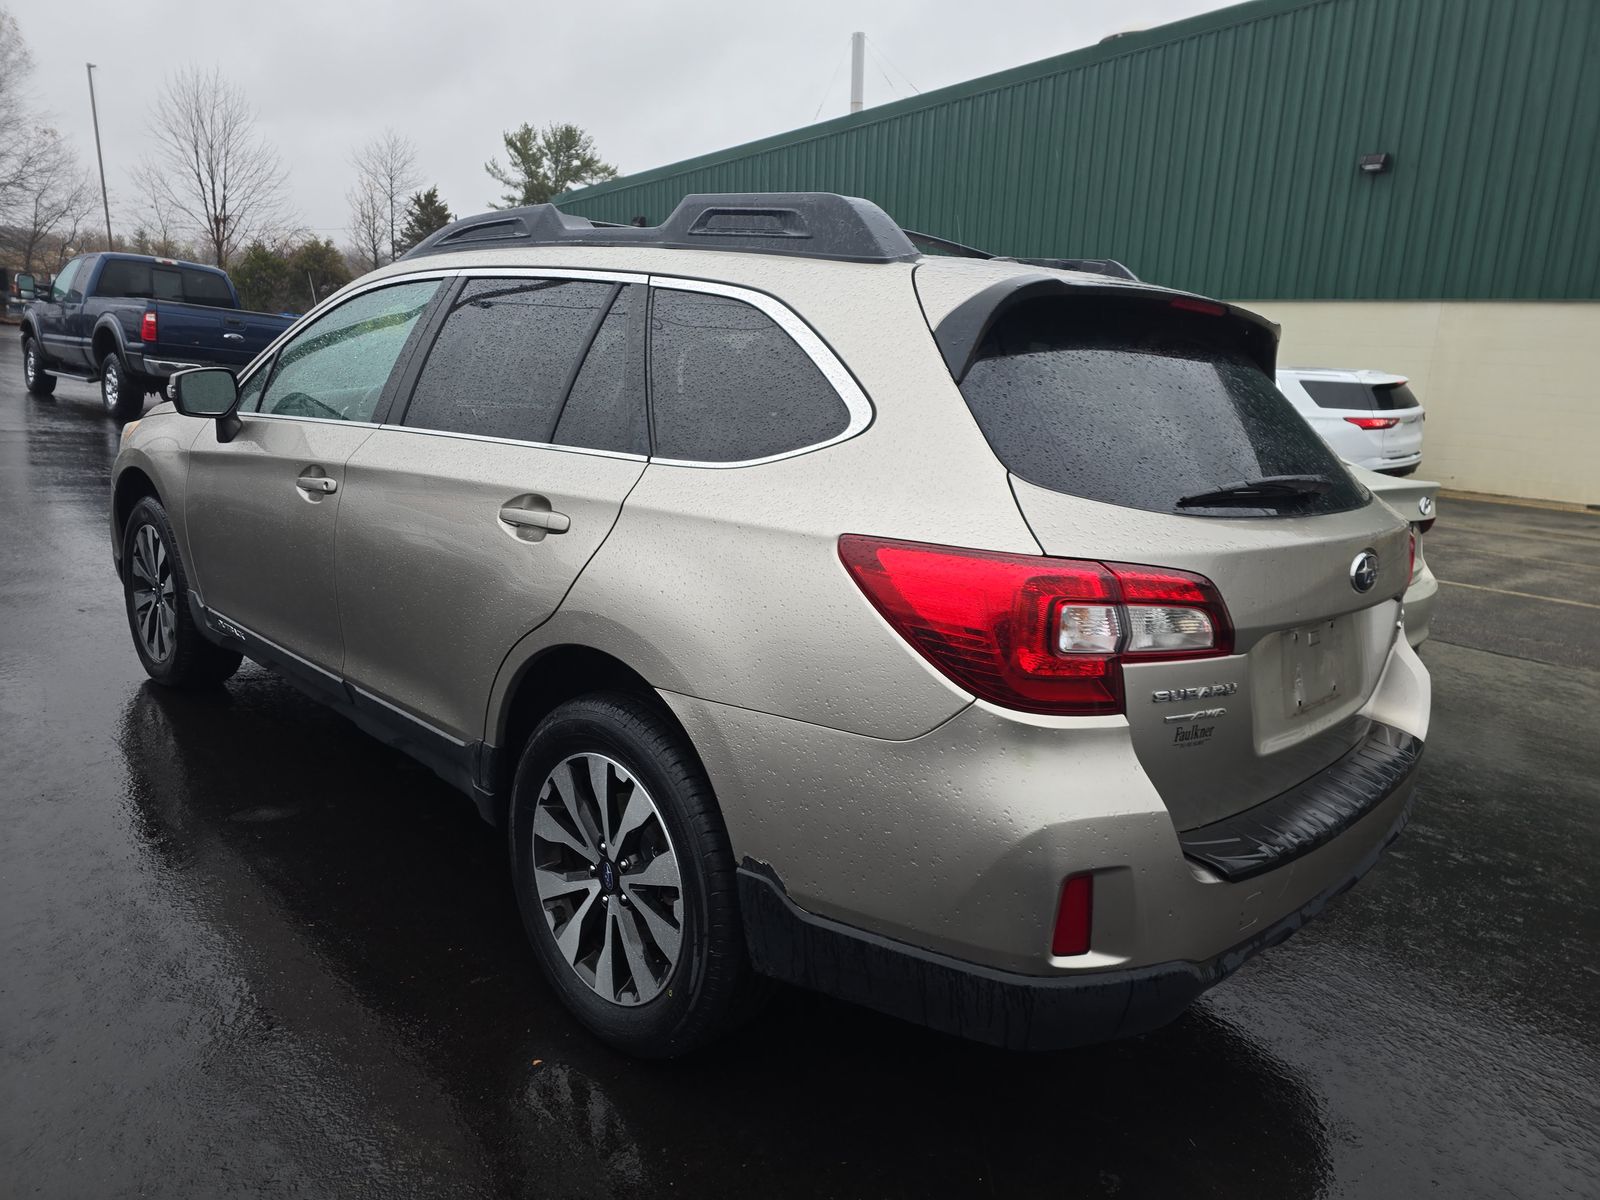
(208, 392)
(25, 287)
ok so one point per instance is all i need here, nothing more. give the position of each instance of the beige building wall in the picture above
(1512, 388)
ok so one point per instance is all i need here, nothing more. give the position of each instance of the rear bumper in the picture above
(1420, 599)
(162, 367)
(938, 862)
(1006, 1008)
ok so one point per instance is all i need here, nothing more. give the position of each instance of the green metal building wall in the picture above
(1219, 153)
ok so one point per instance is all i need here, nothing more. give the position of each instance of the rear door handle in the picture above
(536, 518)
(317, 483)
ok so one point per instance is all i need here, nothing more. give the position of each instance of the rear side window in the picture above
(506, 356)
(727, 384)
(1347, 393)
(134, 280)
(1136, 404)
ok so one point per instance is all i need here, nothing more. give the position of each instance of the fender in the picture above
(134, 361)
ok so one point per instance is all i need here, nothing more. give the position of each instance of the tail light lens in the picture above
(1411, 549)
(147, 327)
(1374, 422)
(1074, 917)
(1044, 635)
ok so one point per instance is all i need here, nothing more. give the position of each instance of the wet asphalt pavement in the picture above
(247, 951)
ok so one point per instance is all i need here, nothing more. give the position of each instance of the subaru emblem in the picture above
(1364, 571)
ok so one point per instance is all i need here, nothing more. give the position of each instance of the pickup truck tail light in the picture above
(1374, 422)
(147, 327)
(1044, 635)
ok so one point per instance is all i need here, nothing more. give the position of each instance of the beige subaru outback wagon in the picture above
(987, 642)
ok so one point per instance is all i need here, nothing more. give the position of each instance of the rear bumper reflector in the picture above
(1310, 814)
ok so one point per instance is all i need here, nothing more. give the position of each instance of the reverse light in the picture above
(1074, 917)
(1374, 422)
(147, 327)
(1039, 634)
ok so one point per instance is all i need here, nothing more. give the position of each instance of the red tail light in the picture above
(1045, 635)
(1374, 422)
(1411, 549)
(1074, 917)
(147, 327)
(1200, 306)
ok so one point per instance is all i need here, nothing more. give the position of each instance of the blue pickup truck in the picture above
(130, 320)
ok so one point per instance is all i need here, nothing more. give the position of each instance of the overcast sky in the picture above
(653, 82)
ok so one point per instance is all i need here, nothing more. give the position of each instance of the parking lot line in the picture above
(1478, 587)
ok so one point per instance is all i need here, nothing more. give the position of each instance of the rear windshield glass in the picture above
(1134, 403)
(131, 279)
(1340, 393)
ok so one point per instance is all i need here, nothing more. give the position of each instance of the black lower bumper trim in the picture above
(1001, 1008)
(1297, 821)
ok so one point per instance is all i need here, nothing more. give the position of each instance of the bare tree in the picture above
(212, 169)
(56, 196)
(386, 171)
(18, 143)
(369, 223)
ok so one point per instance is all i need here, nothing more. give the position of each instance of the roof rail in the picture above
(807, 224)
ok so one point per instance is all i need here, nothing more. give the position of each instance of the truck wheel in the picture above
(119, 392)
(33, 374)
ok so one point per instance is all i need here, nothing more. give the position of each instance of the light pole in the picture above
(99, 158)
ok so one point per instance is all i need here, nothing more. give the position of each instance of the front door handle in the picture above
(536, 518)
(317, 483)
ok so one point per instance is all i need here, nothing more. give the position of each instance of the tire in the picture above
(663, 1001)
(120, 392)
(33, 373)
(155, 591)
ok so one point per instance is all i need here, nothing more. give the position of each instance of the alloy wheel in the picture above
(607, 878)
(30, 364)
(154, 598)
(110, 386)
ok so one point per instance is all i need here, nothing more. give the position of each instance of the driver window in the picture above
(62, 286)
(336, 368)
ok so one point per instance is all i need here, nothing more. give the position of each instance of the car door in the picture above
(262, 507)
(76, 320)
(50, 316)
(467, 518)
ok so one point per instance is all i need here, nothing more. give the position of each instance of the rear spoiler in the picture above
(928, 244)
(961, 334)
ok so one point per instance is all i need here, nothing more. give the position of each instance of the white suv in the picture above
(1370, 418)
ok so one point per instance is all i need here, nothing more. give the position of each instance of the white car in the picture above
(1370, 418)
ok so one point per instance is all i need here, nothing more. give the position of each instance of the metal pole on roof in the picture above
(858, 66)
(100, 158)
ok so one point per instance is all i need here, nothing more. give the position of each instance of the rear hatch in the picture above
(1142, 427)
(1383, 403)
